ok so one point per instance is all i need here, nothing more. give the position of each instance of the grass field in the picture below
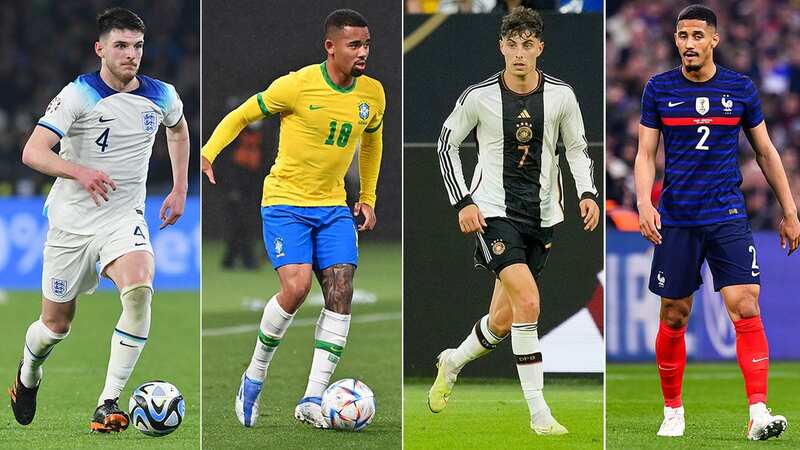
(485, 414)
(231, 313)
(75, 372)
(714, 400)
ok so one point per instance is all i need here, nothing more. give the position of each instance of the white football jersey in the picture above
(111, 131)
(518, 174)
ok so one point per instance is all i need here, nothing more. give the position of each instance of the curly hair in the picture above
(522, 21)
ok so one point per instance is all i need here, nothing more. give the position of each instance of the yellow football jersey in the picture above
(321, 125)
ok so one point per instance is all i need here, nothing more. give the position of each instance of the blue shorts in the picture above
(318, 235)
(728, 247)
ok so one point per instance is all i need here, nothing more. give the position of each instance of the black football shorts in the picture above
(505, 242)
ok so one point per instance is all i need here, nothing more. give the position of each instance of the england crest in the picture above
(363, 110)
(149, 124)
(701, 105)
(59, 287)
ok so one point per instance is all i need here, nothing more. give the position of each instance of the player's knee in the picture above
(528, 306)
(675, 316)
(136, 300)
(747, 305)
(296, 289)
(57, 324)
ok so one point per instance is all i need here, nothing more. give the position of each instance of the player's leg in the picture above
(523, 291)
(287, 239)
(132, 273)
(335, 259)
(675, 276)
(482, 338)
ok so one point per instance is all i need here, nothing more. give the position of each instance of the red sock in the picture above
(752, 352)
(671, 360)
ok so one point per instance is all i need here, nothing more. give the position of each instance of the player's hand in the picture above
(369, 216)
(174, 204)
(650, 223)
(96, 183)
(590, 213)
(205, 166)
(470, 219)
(790, 233)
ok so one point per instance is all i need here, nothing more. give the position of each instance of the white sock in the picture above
(757, 409)
(274, 323)
(330, 338)
(128, 340)
(525, 344)
(478, 342)
(39, 342)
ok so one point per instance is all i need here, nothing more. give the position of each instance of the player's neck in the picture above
(705, 73)
(116, 84)
(521, 84)
(341, 79)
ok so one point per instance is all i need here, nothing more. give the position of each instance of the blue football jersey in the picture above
(701, 123)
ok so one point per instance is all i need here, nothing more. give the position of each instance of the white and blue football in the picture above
(156, 408)
(348, 405)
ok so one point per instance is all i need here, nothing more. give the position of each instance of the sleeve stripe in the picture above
(51, 127)
(262, 105)
(447, 167)
(375, 128)
(492, 80)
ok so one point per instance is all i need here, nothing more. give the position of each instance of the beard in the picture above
(123, 75)
(693, 67)
(355, 72)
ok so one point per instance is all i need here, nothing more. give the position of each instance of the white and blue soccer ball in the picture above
(156, 408)
(348, 405)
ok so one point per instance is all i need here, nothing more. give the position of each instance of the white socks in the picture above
(128, 339)
(330, 338)
(525, 344)
(478, 342)
(274, 323)
(39, 342)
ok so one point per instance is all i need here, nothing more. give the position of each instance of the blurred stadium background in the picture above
(244, 50)
(445, 295)
(762, 40)
(43, 46)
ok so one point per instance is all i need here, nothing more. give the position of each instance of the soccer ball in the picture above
(156, 408)
(348, 405)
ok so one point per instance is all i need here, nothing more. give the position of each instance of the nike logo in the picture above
(666, 368)
(760, 359)
(139, 243)
(670, 104)
(107, 120)
(755, 274)
(314, 107)
(126, 345)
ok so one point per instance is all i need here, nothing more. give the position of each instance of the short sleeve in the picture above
(280, 96)
(174, 110)
(650, 117)
(63, 110)
(753, 116)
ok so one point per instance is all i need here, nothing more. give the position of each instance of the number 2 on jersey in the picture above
(344, 134)
(702, 144)
(102, 141)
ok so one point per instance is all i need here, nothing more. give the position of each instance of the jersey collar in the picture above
(331, 84)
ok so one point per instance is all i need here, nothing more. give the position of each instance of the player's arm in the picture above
(369, 165)
(769, 160)
(277, 98)
(580, 164)
(458, 125)
(38, 155)
(178, 146)
(644, 174)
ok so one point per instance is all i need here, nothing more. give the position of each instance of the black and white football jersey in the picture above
(518, 174)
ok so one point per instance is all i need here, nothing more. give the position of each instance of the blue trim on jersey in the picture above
(154, 90)
(51, 127)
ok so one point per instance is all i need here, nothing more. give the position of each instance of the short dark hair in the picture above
(698, 12)
(522, 20)
(119, 19)
(344, 18)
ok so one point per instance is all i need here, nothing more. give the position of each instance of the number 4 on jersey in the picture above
(102, 141)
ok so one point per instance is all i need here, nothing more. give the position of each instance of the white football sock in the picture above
(330, 338)
(480, 341)
(128, 340)
(274, 323)
(525, 344)
(39, 342)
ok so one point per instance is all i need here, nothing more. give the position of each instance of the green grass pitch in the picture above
(714, 400)
(75, 372)
(372, 354)
(491, 413)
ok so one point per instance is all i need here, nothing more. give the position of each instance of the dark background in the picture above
(443, 294)
(244, 52)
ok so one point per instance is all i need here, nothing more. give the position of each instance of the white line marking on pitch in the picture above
(242, 329)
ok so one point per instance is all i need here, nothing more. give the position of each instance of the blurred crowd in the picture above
(500, 6)
(36, 62)
(759, 38)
